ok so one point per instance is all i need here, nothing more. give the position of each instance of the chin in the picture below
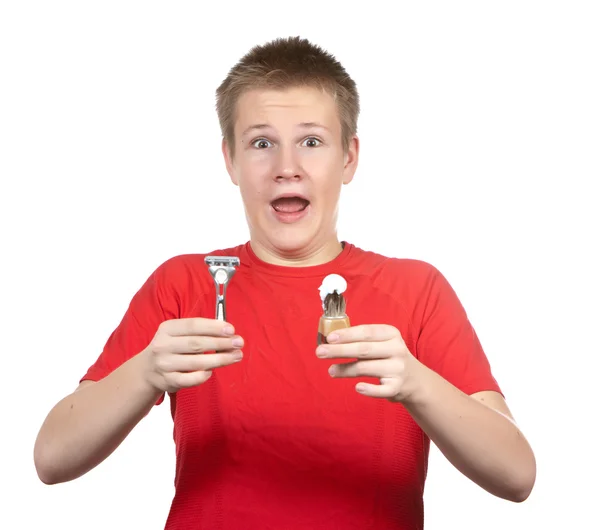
(291, 240)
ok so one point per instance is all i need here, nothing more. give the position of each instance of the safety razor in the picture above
(222, 269)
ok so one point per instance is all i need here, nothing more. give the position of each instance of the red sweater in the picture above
(273, 442)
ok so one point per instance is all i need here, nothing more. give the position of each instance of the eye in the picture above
(261, 143)
(311, 142)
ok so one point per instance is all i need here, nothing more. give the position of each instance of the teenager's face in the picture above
(290, 165)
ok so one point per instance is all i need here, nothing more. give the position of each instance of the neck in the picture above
(314, 254)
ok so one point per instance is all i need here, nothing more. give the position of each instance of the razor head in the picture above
(222, 268)
(222, 261)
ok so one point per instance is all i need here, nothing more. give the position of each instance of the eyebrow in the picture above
(303, 125)
(257, 127)
(311, 124)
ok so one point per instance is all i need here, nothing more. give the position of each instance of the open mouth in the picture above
(290, 205)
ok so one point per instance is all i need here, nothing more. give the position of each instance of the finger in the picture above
(377, 368)
(200, 344)
(197, 326)
(364, 333)
(200, 362)
(386, 390)
(189, 379)
(355, 350)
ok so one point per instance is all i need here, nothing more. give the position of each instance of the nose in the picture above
(287, 165)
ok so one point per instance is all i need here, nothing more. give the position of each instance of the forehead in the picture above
(281, 109)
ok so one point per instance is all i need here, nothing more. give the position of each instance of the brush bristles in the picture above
(335, 305)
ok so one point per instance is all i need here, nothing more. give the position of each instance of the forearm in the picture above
(485, 445)
(85, 427)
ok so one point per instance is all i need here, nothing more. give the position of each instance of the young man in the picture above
(288, 434)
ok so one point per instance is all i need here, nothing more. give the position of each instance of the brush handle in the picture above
(327, 325)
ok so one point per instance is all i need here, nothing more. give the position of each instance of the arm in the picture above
(473, 429)
(475, 433)
(85, 427)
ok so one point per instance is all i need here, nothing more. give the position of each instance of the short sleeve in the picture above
(151, 305)
(447, 342)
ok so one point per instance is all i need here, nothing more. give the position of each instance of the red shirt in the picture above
(273, 442)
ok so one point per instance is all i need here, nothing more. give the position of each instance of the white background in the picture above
(480, 153)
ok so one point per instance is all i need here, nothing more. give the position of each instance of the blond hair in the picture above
(288, 63)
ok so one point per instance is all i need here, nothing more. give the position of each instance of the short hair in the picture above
(288, 63)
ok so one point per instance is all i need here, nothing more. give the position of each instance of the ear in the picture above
(351, 160)
(229, 164)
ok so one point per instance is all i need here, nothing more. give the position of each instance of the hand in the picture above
(380, 352)
(176, 356)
